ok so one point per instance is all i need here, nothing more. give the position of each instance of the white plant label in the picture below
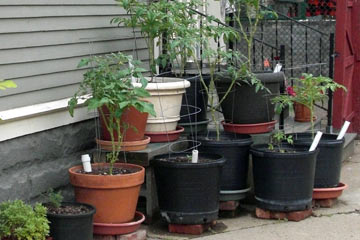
(277, 68)
(343, 130)
(316, 141)
(195, 156)
(85, 159)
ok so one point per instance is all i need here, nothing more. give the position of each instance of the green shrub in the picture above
(23, 222)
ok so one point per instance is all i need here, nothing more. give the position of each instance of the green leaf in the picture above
(4, 84)
(124, 104)
(141, 92)
(71, 105)
(96, 103)
(145, 107)
(83, 62)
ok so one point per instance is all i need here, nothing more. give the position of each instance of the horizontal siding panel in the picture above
(66, 51)
(13, 71)
(50, 81)
(58, 11)
(38, 39)
(57, 2)
(54, 24)
(45, 81)
(42, 42)
(30, 98)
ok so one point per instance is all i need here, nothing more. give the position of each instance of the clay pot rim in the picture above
(72, 170)
(247, 128)
(340, 187)
(124, 143)
(329, 193)
(137, 213)
(119, 228)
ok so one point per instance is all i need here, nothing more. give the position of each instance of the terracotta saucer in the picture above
(249, 128)
(157, 137)
(119, 228)
(329, 193)
(125, 146)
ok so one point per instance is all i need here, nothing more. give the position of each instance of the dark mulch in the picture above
(186, 159)
(105, 171)
(67, 209)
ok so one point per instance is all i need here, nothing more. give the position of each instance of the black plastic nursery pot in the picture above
(235, 149)
(283, 181)
(328, 162)
(194, 101)
(243, 105)
(74, 227)
(188, 193)
(193, 128)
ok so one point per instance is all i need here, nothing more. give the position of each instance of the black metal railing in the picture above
(295, 44)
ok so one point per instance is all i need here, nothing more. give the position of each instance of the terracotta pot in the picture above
(329, 193)
(249, 128)
(121, 228)
(134, 121)
(170, 136)
(125, 146)
(302, 113)
(114, 197)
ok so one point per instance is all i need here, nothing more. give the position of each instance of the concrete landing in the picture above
(143, 157)
(342, 221)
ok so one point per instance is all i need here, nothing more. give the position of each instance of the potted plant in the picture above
(119, 101)
(69, 219)
(283, 175)
(180, 44)
(234, 148)
(307, 91)
(302, 113)
(188, 191)
(245, 104)
(154, 20)
(20, 221)
(112, 188)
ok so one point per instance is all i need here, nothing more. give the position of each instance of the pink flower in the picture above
(290, 91)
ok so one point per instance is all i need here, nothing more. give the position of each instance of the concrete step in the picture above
(349, 146)
(292, 126)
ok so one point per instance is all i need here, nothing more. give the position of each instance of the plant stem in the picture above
(312, 119)
(110, 130)
(151, 53)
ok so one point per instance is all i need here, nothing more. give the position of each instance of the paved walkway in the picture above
(339, 222)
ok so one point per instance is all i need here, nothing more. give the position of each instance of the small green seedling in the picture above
(54, 198)
(277, 139)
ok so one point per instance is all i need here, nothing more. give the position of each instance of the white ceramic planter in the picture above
(166, 95)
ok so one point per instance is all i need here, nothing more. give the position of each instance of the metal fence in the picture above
(306, 44)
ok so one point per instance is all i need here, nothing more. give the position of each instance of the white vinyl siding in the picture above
(42, 41)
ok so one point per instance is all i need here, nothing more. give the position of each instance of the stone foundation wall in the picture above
(32, 164)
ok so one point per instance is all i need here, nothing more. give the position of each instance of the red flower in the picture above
(290, 91)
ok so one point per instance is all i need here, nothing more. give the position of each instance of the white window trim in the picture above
(40, 117)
